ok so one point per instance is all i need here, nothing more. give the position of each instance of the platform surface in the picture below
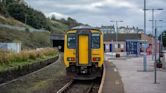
(134, 79)
(112, 82)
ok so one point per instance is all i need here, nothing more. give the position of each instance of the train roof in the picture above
(83, 27)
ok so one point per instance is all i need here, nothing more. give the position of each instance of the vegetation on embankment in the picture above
(20, 15)
(34, 18)
(9, 60)
(28, 40)
(46, 80)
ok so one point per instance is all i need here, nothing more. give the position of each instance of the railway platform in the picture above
(112, 81)
(131, 76)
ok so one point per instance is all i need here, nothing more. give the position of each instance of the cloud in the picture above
(97, 12)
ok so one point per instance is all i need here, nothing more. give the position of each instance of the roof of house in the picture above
(122, 37)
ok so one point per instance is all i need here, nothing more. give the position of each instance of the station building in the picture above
(125, 34)
(111, 45)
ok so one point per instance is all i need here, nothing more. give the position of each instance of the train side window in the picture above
(71, 41)
(95, 40)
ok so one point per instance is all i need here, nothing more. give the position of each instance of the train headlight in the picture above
(96, 58)
(70, 59)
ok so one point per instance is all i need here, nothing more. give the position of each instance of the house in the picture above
(107, 29)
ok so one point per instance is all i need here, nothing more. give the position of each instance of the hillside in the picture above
(11, 21)
(27, 39)
(57, 27)
(21, 23)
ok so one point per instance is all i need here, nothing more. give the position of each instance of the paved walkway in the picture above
(112, 82)
(140, 82)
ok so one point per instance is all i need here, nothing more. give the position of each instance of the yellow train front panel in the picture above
(83, 51)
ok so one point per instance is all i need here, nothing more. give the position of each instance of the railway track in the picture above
(77, 86)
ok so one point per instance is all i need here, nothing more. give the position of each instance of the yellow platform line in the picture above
(103, 79)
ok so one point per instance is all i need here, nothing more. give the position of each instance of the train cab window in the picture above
(95, 40)
(71, 39)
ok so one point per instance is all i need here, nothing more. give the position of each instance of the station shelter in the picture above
(135, 47)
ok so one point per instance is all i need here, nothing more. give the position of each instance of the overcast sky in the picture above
(100, 12)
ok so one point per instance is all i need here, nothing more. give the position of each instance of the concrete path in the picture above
(139, 82)
(112, 81)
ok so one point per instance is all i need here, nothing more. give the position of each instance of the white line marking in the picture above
(115, 69)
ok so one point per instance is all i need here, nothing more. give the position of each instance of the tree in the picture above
(28, 15)
(3, 10)
(53, 18)
(71, 22)
(164, 38)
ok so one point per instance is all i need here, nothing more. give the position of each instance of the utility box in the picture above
(15, 47)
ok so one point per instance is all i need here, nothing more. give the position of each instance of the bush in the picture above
(32, 55)
(6, 56)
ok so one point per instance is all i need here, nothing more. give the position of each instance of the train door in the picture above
(83, 49)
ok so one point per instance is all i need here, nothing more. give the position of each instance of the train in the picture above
(84, 53)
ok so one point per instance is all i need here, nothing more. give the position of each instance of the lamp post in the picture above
(162, 42)
(153, 17)
(144, 58)
(155, 64)
(116, 23)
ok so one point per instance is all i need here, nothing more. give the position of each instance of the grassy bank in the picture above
(45, 80)
(28, 40)
(9, 60)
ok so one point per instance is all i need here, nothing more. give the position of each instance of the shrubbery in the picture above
(6, 56)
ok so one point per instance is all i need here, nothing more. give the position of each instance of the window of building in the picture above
(118, 45)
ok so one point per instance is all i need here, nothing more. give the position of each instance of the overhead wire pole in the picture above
(144, 59)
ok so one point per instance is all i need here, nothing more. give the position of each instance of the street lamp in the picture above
(144, 58)
(116, 22)
(153, 17)
(155, 68)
